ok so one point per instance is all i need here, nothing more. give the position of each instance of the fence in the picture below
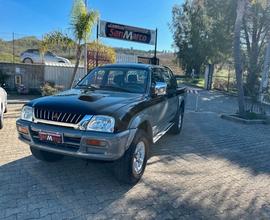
(126, 58)
(225, 79)
(61, 74)
(32, 76)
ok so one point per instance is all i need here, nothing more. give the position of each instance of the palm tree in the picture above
(241, 6)
(82, 22)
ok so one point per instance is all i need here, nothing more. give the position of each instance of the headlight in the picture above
(27, 113)
(101, 123)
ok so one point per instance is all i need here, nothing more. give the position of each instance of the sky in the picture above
(37, 17)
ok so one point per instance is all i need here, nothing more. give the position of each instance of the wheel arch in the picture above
(142, 122)
(146, 127)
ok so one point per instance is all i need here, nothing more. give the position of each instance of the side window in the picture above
(49, 54)
(36, 52)
(156, 76)
(169, 79)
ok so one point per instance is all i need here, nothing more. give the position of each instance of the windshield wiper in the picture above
(87, 87)
(115, 88)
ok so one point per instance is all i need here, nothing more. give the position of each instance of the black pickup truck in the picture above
(113, 114)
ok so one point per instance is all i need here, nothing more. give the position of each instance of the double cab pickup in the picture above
(113, 114)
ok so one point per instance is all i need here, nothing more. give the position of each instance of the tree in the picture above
(241, 5)
(101, 54)
(203, 32)
(82, 22)
(189, 28)
(265, 73)
(55, 39)
(256, 28)
(221, 17)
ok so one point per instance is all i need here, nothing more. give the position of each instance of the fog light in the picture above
(23, 130)
(94, 142)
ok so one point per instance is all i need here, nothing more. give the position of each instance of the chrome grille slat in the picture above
(73, 118)
(65, 117)
(59, 117)
(78, 119)
(68, 117)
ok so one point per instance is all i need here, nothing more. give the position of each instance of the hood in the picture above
(87, 102)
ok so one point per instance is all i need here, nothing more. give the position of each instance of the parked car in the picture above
(3, 106)
(113, 114)
(34, 56)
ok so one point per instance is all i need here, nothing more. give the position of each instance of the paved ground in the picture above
(215, 169)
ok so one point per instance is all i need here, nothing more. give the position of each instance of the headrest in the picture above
(132, 78)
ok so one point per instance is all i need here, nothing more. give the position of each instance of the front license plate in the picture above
(50, 137)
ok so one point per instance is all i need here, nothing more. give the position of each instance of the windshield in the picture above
(116, 79)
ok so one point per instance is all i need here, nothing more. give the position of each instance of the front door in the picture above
(160, 105)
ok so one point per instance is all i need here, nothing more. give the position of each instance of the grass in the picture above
(197, 82)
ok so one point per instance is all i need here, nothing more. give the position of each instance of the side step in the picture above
(160, 134)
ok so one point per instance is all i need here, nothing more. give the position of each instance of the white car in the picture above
(3, 106)
(34, 56)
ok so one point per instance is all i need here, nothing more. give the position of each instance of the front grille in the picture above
(70, 118)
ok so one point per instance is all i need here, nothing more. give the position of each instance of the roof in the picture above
(129, 65)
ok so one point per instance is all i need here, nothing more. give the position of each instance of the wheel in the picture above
(61, 61)
(178, 122)
(130, 167)
(45, 156)
(28, 60)
(1, 119)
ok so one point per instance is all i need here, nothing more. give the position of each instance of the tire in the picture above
(1, 120)
(45, 156)
(28, 60)
(178, 121)
(6, 109)
(128, 169)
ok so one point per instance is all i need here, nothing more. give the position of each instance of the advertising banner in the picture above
(128, 33)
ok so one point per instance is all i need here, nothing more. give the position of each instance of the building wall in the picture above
(32, 76)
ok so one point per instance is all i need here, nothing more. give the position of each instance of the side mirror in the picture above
(159, 89)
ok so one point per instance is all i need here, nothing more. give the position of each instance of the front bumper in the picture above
(75, 141)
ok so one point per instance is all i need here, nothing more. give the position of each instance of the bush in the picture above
(49, 88)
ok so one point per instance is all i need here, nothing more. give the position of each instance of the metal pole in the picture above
(85, 48)
(97, 44)
(229, 79)
(13, 47)
(197, 103)
(155, 54)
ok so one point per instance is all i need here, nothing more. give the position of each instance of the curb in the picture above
(244, 121)
(14, 102)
